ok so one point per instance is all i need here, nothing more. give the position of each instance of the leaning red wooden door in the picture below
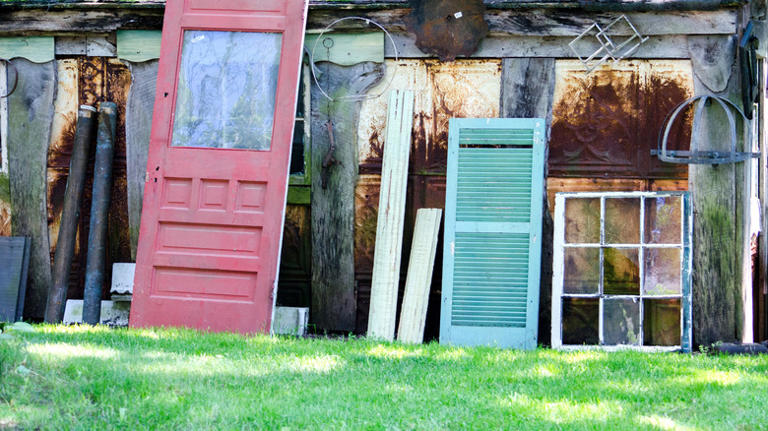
(217, 172)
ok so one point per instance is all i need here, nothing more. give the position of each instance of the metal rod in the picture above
(97, 234)
(65, 246)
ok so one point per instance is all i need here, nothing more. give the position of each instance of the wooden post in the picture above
(389, 227)
(65, 246)
(138, 123)
(30, 113)
(97, 233)
(720, 198)
(527, 91)
(416, 297)
(333, 207)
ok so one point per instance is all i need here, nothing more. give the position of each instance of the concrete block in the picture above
(112, 313)
(290, 321)
(122, 278)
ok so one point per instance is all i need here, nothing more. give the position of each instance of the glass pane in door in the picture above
(225, 96)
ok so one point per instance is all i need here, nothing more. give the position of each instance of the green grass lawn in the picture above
(95, 378)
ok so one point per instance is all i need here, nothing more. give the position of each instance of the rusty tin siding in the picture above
(605, 123)
(465, 88)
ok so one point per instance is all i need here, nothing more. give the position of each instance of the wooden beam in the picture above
(673, 46)
(552, 22)
(720, 219)
(532, 22)
(138, 124)
(527, 91)
(333, 206)
(30, 112)
(416, 297)
(389, 227)
(31, 21)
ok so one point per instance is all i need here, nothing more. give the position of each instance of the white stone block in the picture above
(290, 321)
(122, 278)
(112, 313)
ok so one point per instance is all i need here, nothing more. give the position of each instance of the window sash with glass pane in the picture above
(622, 270)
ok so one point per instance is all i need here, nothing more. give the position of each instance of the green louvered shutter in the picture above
(493, 205)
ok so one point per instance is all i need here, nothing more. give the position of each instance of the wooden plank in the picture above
(422, 261)
(37, 49)
(527, 91)
(719, 227)
(553, 22)
(138, 45)
(672, 46)
(346, 49)
(91, 45)
(138, 124)
(712, 58)
(85, 21)
(333, 212)
(30, 112)
(389, 227)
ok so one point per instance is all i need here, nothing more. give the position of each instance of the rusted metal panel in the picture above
(62, 136)
(464, 88)
(447, 28)
(605, 123)
(294, 282)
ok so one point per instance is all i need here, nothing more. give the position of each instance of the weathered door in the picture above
(216, 178)
(493, 206)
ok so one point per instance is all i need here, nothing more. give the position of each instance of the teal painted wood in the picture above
(493, 215)
(138, 45)
(37, 49)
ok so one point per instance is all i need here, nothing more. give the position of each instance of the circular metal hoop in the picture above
(314, 71)
(695, 155)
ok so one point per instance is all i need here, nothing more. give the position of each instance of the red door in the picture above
(214, 197)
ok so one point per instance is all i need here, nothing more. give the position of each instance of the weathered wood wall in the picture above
(30, 114)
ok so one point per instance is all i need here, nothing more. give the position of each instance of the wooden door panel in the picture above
(218, 165)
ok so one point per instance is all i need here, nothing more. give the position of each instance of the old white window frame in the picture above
(685, 246)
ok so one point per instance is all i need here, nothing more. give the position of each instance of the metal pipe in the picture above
(97, 234)
(65, 246)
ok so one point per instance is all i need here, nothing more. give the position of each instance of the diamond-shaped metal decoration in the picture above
(612, 46)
